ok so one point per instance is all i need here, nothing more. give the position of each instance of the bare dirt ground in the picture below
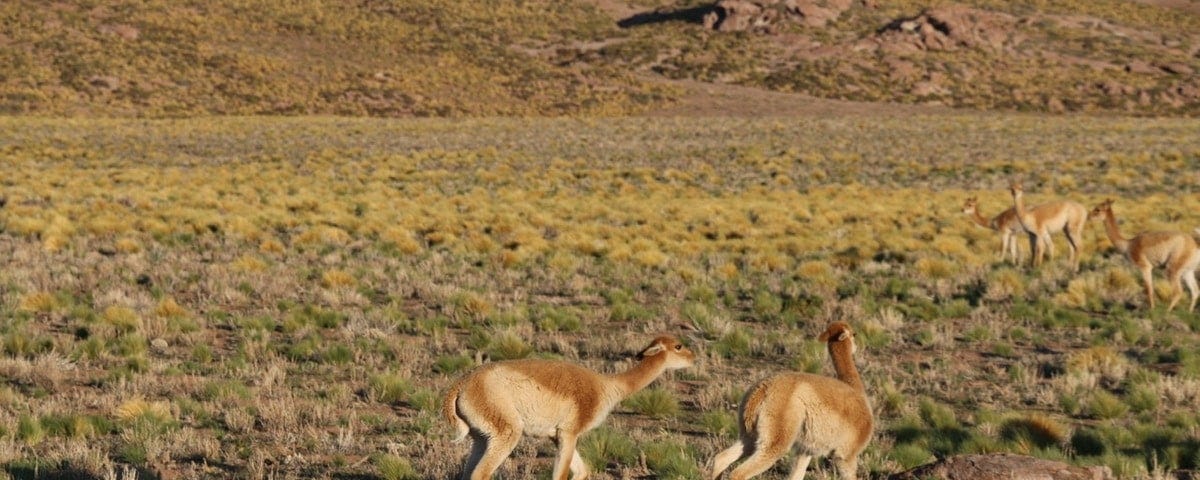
(704, 99)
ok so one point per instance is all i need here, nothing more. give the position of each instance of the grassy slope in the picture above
(253, 57)
(288, 297)
(447, 57)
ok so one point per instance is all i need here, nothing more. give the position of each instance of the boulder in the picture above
(740, 15)
(123, 31)
(949, 28)
(1002, 466)
(1178, 68)
(104, 83)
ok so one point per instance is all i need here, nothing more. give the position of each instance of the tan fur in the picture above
(1177, 251)
(1005, 222)
(1039, 221)
(822, 415)
(499, 402)
(450, 413)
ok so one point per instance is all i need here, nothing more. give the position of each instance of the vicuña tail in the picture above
(450, 411)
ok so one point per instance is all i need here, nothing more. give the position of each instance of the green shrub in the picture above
(392, 467)
(671, 460)
(937, 416)
(389, 387)
(423, 399)
(604, 446)
(552, 319)
(767, 305)
(29, 430)
(1104, 406)
(339, 354)
(735, 343)
(1141, 399)
(1088, 442)
(508, 346)
(654, 402)
(910, 455)
(451, 364)
(720, 423)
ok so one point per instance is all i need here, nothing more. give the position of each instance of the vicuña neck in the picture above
(640, 375)
(1114, 233)
(843, 364)
(980, 220)
(1019, 207)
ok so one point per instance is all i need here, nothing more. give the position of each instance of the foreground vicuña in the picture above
(822, 415)
(497, 403)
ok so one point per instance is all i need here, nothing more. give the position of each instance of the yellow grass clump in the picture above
(650, 257)
(271, 245)
(1102, 361)
(124, 319)
(936, 268)
(1005, 283)
(323, 235)
(127, 245)
(169, 308)
(249, 264)
(727, 271)
(402, 238)
(337, 279)
(818, 273)
(38, 302)
(136, 409)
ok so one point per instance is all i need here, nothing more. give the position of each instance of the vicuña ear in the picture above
(843, 335)
(651, 351)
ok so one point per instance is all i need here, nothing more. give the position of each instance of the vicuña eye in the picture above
(679, 347)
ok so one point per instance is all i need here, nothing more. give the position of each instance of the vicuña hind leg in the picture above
(579, 470)
(499, 447)
(772, 444)
(800, 467)
(726, 458)
(848, 468)
(478, 447)
(1190, 279)
(1176, 289)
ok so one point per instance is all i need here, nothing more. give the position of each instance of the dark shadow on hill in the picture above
(688, 15)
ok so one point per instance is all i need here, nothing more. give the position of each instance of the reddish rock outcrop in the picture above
(949, 28)
(738, 15)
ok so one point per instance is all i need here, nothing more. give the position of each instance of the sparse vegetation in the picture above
(459, 241)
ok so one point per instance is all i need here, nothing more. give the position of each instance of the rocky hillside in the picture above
(592, 57)
(1024, 54)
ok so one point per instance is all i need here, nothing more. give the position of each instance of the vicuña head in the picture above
(822, 415)
(1101, 210)
(970, 206)
(497, 403)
